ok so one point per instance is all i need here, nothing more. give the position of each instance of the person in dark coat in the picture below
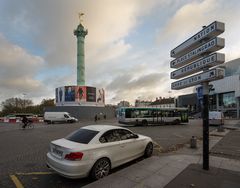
(24, 121)
(95, 118)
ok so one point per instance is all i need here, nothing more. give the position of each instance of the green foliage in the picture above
(18, 105)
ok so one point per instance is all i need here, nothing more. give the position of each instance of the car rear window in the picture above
(83, 136)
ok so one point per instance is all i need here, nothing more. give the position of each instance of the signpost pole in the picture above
(205, 126)
(193, 56)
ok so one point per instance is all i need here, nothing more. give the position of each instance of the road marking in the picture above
(35, 173)
(16, 181)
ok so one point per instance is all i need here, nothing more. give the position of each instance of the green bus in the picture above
(150, 115)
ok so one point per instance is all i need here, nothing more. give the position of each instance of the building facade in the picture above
(224, 94)
(164, 103)
(123, 104)
(140, 103)
(189, 101)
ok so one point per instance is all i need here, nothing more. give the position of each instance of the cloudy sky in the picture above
(126, 50)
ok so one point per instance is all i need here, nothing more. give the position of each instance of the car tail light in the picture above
(74, 156)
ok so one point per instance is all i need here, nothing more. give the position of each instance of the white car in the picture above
(95, 149)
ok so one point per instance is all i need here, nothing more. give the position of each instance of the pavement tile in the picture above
(229, 146)
(231, 165)
(115, 181)
(134, 173)
(156, 181)
(170, 171)
(152, 164)
(141, 185)
(195, 176)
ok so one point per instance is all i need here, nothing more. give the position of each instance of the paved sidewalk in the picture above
(157, 172)
(232, 124)
(195, 176)
(229, 146)
(170, 169)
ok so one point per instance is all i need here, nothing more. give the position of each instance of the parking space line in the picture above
(35, 173)
(16, 181)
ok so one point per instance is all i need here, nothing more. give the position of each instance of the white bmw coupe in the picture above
(95, 149)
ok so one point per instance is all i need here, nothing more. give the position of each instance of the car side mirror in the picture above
(135, 136)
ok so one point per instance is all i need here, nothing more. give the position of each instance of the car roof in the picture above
(101, 128)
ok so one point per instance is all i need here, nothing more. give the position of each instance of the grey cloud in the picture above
(146, 87)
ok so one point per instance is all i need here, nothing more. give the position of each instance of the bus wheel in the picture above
(144, 123)
(136, 123)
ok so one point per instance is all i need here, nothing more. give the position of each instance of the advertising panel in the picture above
(212, 30)
(210, 46)
(100, 96)
(80, 93)
(209, 61)
(69, 93)
(56, 95)
(61, 94)
(91, 94)
(211, 75)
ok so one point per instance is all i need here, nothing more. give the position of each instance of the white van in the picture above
(51, 117)
(216, 118)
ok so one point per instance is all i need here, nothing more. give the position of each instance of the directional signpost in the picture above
(208, 61)
(194, 55)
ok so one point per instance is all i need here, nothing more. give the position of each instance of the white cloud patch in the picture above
(50, 26)
(110, 52)
(189, 19)
(17, 72)
(111, 59)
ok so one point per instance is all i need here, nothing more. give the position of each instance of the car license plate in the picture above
(57, 152)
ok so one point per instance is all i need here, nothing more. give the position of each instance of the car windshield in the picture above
(83, 136)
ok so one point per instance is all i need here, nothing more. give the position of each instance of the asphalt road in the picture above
(23, 151)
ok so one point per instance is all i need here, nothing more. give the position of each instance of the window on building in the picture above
(212, 102)
(229, 100)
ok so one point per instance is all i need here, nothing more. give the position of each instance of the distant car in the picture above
(96, 149)
(52, 117)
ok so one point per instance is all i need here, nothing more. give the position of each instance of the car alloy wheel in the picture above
(100, 169)
(149, 150)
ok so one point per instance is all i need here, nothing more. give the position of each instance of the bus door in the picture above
(158, 116)
(184, 116)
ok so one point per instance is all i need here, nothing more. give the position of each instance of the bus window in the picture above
(184, 116)
(159, 113)
(145, 113)
(128, 113)
(154, 113)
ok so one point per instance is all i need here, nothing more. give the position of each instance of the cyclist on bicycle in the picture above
(25, 122)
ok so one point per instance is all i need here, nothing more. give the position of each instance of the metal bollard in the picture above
(193, 142)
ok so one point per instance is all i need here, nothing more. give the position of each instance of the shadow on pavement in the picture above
(195, 176)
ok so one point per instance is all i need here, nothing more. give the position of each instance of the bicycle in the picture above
(29, 125)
